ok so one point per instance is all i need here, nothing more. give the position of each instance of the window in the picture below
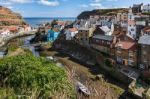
(108, 43)
(144, 52)
(97, 41)
(132, 29)
(143, 46)
(130, 16)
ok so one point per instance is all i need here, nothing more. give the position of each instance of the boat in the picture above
(50, 57)
(83, 89)
(90, 63)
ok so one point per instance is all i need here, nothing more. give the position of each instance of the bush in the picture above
(108, 63)
(28, 75)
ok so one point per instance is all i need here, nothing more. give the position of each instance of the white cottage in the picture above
(4, 33)
(131, 25)
(107, 30)
(70, 33)
(146, 8)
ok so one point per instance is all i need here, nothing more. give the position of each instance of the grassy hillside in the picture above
(26, 76)
(8, 17)
(86, 14)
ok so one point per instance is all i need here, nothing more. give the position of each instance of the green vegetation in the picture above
(12, 47)
(108, 63)
(30, 77)
(10, 18)
(148, 13)
(118, 90)
(86, 14)
(14, 44)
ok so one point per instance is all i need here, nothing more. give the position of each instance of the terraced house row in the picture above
(124, 38)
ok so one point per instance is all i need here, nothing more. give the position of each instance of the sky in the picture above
(63, 8)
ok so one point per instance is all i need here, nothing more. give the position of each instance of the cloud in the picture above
(5, 3)
(64, 0)
(10, 7)
(49, 3)
(83, 5)
(97, 5)
(19, 1)
(96, 1)
(112, 0)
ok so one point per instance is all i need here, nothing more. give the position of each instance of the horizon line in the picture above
(49, 17)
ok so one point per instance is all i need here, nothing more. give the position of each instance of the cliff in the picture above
(86, 14)
(8, 17)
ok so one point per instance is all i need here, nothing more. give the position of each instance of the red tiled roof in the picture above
(12, 28)
(61, 23)
(125, 44)
(146, 29)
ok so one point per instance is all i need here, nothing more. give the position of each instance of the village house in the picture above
(107, 30)
(144, 50)
(103, 43)
(136, 22)
(24, 28)
(60, 24)
(131, 31)
(52, 35)
(13, 29)
(126, 53)
(76, 24)
(83, 36)
(27, 28)
(146, 8)
(93, 20)
(141, 21)
(82, 23)
(137, 8)
(47, 28)
(70, 33)
(145, 31)
(122, 19)
(4, 32)
(106, 21)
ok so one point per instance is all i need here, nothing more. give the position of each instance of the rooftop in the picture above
(125, 44)
(146, 29)
(84, 28)
(104, 37)
(145, 39)
(73, 29)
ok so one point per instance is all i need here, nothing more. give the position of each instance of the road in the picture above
(6, 39)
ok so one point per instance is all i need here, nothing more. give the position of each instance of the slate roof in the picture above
(104, 37)
(145, 39)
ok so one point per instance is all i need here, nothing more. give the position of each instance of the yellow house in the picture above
(83, 35)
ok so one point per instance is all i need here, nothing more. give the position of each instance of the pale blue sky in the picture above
(63, 8)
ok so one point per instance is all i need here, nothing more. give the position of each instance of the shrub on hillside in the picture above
(108, 63)
(28, 76)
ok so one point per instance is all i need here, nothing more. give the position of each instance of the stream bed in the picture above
(29, 46)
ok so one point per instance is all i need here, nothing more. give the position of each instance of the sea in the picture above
(34, 22)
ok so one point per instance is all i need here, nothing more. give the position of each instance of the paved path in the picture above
(6, 39)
